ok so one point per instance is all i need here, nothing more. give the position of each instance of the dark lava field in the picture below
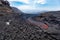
(16, 25)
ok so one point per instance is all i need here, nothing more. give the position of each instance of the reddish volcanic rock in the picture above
(39, 24)
(48, 22)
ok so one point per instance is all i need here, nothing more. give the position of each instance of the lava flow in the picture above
(39, 24)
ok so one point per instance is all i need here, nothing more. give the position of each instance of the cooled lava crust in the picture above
(49, 22)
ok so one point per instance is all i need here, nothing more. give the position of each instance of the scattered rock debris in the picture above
(21, 29)
(48, 23)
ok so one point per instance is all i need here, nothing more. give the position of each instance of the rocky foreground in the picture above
(15, 25)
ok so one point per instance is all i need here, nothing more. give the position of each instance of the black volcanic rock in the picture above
(13, 25)
(51, 19)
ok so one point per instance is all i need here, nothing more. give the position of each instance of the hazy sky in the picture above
(35, 5)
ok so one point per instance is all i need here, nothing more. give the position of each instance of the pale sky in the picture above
(35, 5)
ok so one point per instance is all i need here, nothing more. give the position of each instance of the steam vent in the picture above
(16, 25)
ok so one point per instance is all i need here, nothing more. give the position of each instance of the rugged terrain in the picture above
(15, 25)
